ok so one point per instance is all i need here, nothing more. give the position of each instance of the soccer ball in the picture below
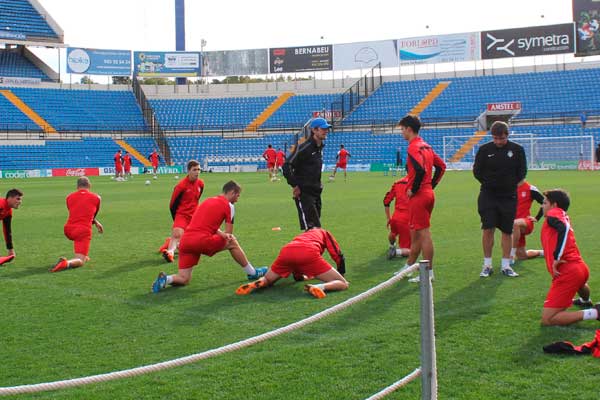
(155, 177)
(147, 183)
(176, 176)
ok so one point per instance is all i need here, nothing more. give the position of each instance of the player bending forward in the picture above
(203, 236)
(563, 260)
(303, 257)
(398, 222)
(13, 200)
(523, 224)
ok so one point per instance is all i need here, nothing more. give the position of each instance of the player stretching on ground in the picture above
(154, 158)
(342, 161)
(563, 260)
(523, 225)
(204, 236)
(398, 222)
(303, 257)
(13, 199)
(270, 155)
(127, 165)
(118, 164)
(420, 161)
(83, 207)
(184, 201)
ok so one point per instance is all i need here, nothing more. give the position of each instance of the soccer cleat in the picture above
(6, 259)
(250, 287)
(391, 252)
(60, 265)
(508, 271)
(160, 282)
(165, 245)
(315, 291)
(260, 272)
(579, 302)
(168, 256)
(487, 271)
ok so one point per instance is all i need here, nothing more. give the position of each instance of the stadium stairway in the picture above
(467, 146)
(431, 96)
(136, 154)
(270, 110)
(25, 109)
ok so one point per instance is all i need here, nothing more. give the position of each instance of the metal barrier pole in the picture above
(428, 358)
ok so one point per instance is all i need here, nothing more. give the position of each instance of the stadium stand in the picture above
(299, 109)
(20, 16)
(14, 64)
(13, 119)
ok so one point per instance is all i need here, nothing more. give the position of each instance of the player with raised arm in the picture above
(204, 236)
(303, 257)
(270, 156)
(398, 222)
(523, 225)
(341, 162)
(13, 200)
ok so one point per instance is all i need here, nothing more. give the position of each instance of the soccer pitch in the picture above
(103, 316)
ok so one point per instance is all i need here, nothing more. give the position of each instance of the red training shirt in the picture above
(343, 156)
(186, 194)
(280, 158)
(127, 161)
(6, 217)
(83, 207)
(526, 194)
(421, 160)
(318, 240)
(398, 192)
(117, 158)
(558, 239)
(209, 216)
(270, 155)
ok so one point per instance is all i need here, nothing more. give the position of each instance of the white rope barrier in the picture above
(397, 385)
(68, 383)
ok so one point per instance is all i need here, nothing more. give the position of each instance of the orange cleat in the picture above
(315, 291)
(60, 265)
(165, 245)
(6, 259)
(168, 256)
(250, 287)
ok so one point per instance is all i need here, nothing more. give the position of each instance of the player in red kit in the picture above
(127, 164)
(523, 224)
(118, 164)
(270, 155)
(279, 161)
(184, 201)
(204, 236)
(154, 159)
(303, 257)
(398, 222)
(13, 200)
(342, 161)
(83, 206)
(421, 160)
(564, 263)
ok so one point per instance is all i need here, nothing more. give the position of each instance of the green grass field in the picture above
(103, 317)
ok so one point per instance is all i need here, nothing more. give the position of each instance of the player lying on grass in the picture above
(524, 222)
(398, 222)
(83, 206)
(13, 199)
(303, 257)
(563, 260)
(204, 236)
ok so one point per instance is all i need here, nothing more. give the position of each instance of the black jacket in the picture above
(303, 167)
(500, 169)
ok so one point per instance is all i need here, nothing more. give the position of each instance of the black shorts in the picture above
(497, 212)
(309, 210)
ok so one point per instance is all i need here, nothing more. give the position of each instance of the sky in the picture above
(230, 25)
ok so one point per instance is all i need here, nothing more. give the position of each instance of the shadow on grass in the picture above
(138, 264)
(17, 271)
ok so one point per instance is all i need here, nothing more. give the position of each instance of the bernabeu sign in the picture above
(530, 41)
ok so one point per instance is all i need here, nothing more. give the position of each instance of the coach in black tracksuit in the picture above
(302, 169)
(499, 166)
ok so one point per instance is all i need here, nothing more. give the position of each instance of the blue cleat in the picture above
(160, 282)
(260, 272)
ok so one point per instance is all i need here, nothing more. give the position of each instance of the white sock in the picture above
(513, 252)
(399, 252)
(487, 261)
(590, 313)
(505, 263)
(169, 279)
(541, 253)
(249, 269)
(320, 286)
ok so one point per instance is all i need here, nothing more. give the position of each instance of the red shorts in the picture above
(528, 230)
(81, 237)
(154, 165)
(192, 246)
(399, 227)
(127, 170)
(270, 165)
(341, 165)
(572, 277)
(297, 260)
(420, 207)
(118, 167)
(181, 221)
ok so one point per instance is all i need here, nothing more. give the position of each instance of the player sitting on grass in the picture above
(563, 260)
(398, 222)
(13, 200)
(523, 224)
(303, 257)
(203, 236)
(83, 207)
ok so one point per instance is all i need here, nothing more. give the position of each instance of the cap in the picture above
(319, 123)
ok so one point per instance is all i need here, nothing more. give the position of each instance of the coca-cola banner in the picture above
(75, 172)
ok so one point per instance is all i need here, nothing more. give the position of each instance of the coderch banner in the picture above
(530, 41)
(301, 59)
(75, 172)
(22, 174)
(439, 49)
(166, 64)
(586, 15)
(98, 62)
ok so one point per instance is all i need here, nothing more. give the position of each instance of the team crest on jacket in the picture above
(509, 154)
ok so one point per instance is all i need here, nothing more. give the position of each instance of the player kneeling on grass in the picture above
(303, 257)
(524, 222)
(203, 236)
(563, 260)
(13, 200)
(398, 222)
(83, 207)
